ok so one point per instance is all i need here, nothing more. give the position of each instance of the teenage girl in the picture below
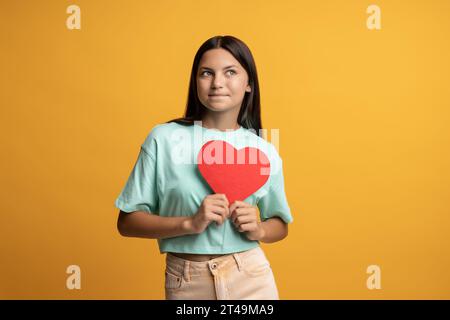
(212, 245)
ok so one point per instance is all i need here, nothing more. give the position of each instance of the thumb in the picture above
(232, 208)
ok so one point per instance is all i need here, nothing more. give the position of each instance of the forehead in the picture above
(218, 59)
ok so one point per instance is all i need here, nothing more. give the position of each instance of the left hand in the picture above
(245, 217)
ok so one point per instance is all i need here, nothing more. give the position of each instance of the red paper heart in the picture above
(236, 173)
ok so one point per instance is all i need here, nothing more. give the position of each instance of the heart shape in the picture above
(236, 173)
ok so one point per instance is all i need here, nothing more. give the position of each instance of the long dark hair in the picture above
(250, 113)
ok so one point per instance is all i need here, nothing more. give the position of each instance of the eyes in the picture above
(233, 72)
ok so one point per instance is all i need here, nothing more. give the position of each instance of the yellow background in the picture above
(364, 135)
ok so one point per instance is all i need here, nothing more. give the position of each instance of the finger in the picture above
(214, 217)
(221, 196)
(236, 212)
(220, 202)
(243, 220)
(245, 227)
(242, 204)
(234, 206)
(241, 211)
(220, 211)
(238, 204)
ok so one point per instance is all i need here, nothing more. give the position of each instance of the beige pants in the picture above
(242, 275)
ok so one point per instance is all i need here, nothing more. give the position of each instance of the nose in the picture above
(217, 81)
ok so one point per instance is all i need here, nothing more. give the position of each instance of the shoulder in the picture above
(162, 130)
(158, 134)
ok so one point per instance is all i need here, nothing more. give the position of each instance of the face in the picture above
(221, 81)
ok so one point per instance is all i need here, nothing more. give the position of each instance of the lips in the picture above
(217, 95)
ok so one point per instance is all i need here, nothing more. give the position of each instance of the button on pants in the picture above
(241, 275)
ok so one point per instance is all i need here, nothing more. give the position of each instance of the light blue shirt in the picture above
(165, 180)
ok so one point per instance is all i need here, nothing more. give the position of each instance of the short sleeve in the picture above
(140, 191)
(274, 202)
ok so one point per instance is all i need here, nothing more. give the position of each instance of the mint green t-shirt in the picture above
(166, 181)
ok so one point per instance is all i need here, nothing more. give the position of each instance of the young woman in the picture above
(212, 245)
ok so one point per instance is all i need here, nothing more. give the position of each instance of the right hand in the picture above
(214, 207)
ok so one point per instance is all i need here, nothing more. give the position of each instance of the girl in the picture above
(212, 245)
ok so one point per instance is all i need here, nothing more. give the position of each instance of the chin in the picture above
(217, 109)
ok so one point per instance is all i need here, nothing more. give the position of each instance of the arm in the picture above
(245, 217)
(273, 230)
(142, 224)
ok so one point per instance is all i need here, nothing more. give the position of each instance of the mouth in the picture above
(217, 95)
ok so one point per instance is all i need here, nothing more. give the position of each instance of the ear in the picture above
(248, 89)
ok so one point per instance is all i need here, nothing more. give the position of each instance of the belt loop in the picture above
(238, 261)
(186, 271)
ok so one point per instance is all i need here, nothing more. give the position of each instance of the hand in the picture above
(245, 217)
(214, 207)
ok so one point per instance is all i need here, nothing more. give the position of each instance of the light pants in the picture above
(242, 275)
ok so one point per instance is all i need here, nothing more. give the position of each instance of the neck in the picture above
(219, 121)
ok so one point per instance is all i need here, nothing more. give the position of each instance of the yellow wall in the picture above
(364, 134)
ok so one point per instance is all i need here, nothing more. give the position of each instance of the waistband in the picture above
(183, 266)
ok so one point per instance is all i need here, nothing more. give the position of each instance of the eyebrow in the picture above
(222, 69)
